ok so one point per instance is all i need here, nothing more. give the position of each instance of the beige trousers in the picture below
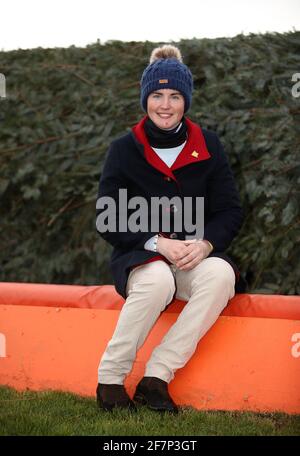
(150, 288)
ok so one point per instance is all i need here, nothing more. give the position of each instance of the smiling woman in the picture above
(166, 108)
(166, 156)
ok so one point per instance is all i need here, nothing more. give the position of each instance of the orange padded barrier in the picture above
(106, 297)
(240, 364)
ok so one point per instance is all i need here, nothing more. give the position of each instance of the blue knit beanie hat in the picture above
(166, 71)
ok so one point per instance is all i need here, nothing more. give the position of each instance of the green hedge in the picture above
(64, 106)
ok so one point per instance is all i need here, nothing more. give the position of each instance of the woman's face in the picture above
(165, 107)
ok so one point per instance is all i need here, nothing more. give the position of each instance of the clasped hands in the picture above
(185, 255)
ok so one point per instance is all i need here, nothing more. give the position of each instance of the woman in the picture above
(165, 155)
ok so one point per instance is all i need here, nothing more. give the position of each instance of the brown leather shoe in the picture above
(113, 396)
(153, 392)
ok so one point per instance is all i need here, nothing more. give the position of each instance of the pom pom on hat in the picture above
(166, 70)
(167, 51)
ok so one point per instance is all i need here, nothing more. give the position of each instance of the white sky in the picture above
(61, 23)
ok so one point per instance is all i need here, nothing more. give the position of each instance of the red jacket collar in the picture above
(195, 149)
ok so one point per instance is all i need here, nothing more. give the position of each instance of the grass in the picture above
(56, 413)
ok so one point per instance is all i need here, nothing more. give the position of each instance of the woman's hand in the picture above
(184, 254)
